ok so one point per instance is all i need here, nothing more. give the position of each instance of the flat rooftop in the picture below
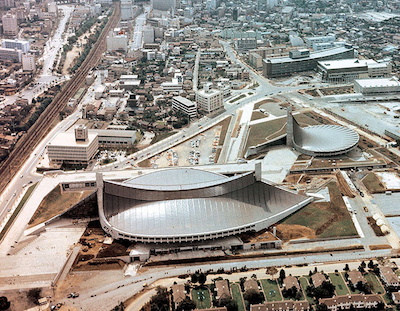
(316, 55)
(379, 82)
(68, 139)
(346, 63)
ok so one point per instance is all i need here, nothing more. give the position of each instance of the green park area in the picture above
(340, 285)
(237, 296)
(201, 296)
(271, 290)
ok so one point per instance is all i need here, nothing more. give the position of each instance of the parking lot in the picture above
(199, 150)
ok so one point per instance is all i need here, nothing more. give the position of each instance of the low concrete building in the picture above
(357, 301)
(290, 281)
(318, 278)
(283, 66)
(251, 284)
(10, 55)
(222, 289)
(185, 105)
(379, 86)
(388, 277)
(286, 305)
(396, 297)
(115, 138)
(348, 70)
(178, 293)
(356, 276)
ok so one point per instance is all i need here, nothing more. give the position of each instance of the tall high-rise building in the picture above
(126, 10)
(10, 25)
(28, 62)
(163, 5)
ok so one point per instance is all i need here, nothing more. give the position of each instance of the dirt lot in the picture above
(93, 249)
(373, 184)
(19, 298)
(55, 203)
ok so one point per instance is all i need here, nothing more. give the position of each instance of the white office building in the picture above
(117, 42)
(126, 10)
(209, 99)
(77, 147)
(10, 25)
(347, 70)
(185, 105)
(173, 86)
(311, 41)
(148, 34)
(21, 45)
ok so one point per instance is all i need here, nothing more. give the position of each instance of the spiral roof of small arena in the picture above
(326, 138)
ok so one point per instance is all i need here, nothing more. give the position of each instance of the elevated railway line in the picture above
(45, 122)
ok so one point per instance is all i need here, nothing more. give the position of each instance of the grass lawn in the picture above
(327, 219)
(340, 285)
(259, 133)
(237, 296)
(312, 216)
(237, 98)
(201, 297)
(375, 284)
(303, 284)
(271, 290)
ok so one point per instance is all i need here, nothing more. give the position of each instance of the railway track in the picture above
(45, 122)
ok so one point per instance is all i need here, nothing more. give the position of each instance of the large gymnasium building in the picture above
(189, 205)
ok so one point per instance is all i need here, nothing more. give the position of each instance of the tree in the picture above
(229, 303)
(4, 303)
(34, 295)
(271, 271)
(346, 267)
(242, 280)
(253, 296)
(290, 292)
(160, 301)
(282, 275)
(363, 264)
(186, 305)
(371, 265)
(322, 307)
(202, 278)
(325, 290)
(194, 278)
